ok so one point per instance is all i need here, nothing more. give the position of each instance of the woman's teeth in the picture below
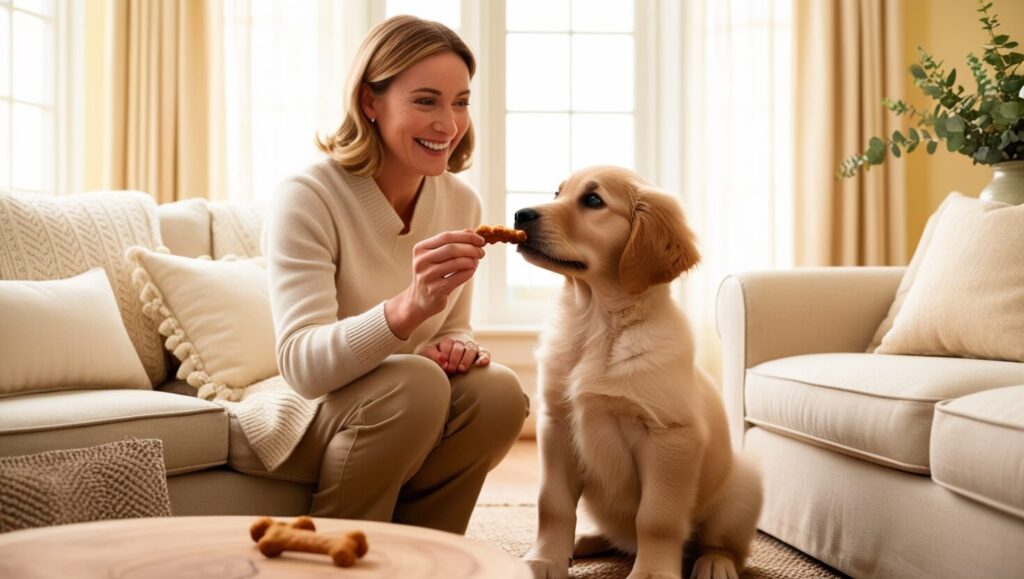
(432, 145)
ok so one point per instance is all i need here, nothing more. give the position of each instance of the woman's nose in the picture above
(445, 123)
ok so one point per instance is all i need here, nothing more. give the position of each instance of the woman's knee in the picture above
(418, 396)
(502, 406)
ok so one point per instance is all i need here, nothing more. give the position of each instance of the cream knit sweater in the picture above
(335, 254)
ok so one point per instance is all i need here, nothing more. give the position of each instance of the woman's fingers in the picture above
(452, 251)
(444, 348)
(448, 237)
(483, 358)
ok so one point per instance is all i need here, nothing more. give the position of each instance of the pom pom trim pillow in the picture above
(215, 316)
(968, 296)
(65, 334)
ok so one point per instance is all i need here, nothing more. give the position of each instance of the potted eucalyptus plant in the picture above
(987, 125)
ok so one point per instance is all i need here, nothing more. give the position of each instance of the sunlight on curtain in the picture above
(285, 66)
(738, 140)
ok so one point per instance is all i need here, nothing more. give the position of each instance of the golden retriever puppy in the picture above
(628, 423)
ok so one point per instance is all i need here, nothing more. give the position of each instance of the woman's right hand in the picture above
(439, 265)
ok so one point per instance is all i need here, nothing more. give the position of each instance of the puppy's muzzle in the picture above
(526, 216)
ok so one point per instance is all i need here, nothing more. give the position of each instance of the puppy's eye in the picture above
(556, 194)
(592, 200)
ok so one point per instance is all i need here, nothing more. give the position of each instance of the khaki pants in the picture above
(404, 443)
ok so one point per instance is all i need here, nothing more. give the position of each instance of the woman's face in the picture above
(423, 115)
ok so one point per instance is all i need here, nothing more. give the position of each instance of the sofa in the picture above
(41, 237)
(879, 465)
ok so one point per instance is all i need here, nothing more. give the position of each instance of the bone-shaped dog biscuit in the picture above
(259, 528)
(500, 234)
(343, 550)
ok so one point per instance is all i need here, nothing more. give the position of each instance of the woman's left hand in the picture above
(457, 356)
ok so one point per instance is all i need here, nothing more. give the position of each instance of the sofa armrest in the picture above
(767, 315)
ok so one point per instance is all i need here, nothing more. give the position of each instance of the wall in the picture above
(948, 30)
(96, 93)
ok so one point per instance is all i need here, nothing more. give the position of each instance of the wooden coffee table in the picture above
(220, 547)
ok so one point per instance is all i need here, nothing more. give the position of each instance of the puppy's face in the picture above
(607, 225)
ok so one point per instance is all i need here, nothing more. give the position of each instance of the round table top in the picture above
(200, 547)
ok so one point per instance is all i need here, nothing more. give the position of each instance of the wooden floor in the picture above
(515, 480)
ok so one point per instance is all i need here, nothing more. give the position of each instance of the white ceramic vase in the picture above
(1007, 183)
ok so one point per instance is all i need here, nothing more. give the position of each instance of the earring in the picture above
(373, 120)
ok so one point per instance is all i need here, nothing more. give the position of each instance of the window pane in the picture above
(5, 145)
(602, 15)
(536, 15)
(517, 271)
(33, 154)
(44, 7)
(537, 151)
(602, 140)
(33, 59)
(537, 72)
(444, 11)
(5, 52)
(602, 72)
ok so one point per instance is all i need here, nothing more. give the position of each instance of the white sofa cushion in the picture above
(878, 408)
(977, 447)
(968, 297)
(185, 227)
(235, 229)
(194, 432)
(64, 334)
(216, 316)
(50, 237)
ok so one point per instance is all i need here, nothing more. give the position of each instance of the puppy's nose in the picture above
(525, 215)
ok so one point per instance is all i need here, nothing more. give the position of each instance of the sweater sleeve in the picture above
(316, 352)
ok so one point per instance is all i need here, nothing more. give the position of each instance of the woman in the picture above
(369, 266)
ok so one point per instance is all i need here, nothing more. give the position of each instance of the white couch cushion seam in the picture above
(111, 420)
(998, 505)
(926, 401)
(943, 408)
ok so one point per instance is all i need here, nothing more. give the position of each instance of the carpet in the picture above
(119, 480)
(513, 528)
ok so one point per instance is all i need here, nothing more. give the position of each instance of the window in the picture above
(29, 154)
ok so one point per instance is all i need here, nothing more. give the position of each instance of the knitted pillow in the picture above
(235, 229)
(43, 237)
(216, 316)
(64, 335)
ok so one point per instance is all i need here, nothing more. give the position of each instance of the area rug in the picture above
(513, 527)
(119, 480)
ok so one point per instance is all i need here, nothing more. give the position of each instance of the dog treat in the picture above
(500, 234)
(274, 538)
(259, 528)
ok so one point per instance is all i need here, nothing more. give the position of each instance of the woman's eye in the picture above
(424, 101)
(593, 200)
(462, 104)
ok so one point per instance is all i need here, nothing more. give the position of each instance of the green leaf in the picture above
(1012, 110)
(918, 72)
(1001, 39)
(895, 150)
(1011, 84)
(932, 145)
(955, 142)
(914, 136)
(951, 78)
(898, 137)
(1010, 45)
(876, 145)
(1013, 58)
(955, 125)
(913, 145)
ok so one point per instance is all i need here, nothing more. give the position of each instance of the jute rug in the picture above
(513, 528)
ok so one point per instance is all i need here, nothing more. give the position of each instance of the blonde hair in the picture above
(388, 50)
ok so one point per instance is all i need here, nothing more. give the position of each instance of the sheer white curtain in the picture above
(735, 139)
(286, 64)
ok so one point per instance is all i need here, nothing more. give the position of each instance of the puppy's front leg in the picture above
(559, 494)
(669, 467)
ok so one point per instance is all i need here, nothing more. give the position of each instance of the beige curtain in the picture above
(848, 58)
(166, 98)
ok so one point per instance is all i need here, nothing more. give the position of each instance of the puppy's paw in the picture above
(544, 569)
(590, 545)
(714, 566)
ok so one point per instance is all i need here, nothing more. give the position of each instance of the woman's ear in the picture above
(661, 245)
(368, 102)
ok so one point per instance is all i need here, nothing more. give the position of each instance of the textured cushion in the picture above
(910, 274)
(978, 447)
(46, 237)
(875, 407)
(235, 229)
(119, 480)
(194, 432)
(185, 227)
(216, 316)
(968, 296)
(64, 334)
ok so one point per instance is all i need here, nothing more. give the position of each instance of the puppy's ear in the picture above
(661, 245)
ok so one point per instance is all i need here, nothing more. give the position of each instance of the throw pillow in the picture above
(235, 229)
(49, 237)
(65, 335)
(910, 274)
(968, 297)
(216, 316)
(118, 480)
